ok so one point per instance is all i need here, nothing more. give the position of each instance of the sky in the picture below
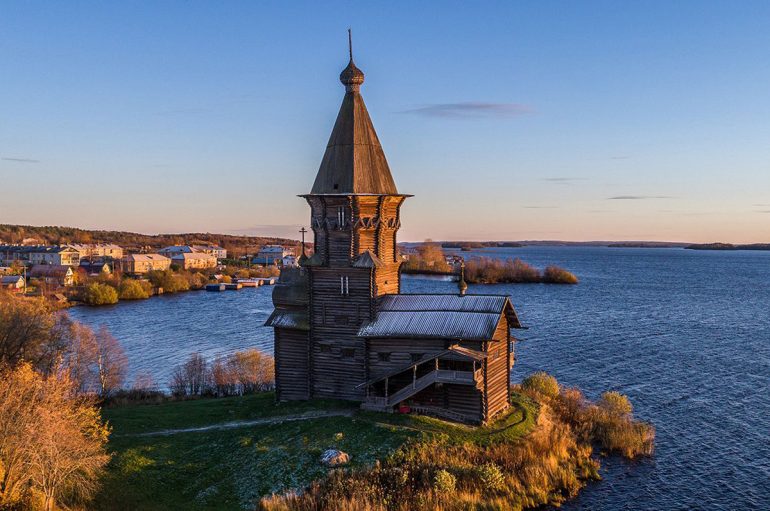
(506, 120)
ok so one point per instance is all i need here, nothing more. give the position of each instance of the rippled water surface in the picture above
(685, 334)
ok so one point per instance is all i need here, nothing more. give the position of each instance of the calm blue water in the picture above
(685, 334)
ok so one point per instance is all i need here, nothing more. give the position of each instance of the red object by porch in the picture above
(404, 409)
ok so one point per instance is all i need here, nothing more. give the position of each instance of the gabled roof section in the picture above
(354, 162)
(469, 317)
(367, 259)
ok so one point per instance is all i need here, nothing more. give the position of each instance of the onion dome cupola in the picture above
(354, 162)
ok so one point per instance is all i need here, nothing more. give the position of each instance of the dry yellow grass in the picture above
(546, 467)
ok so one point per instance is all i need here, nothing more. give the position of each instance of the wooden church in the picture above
(342, 327)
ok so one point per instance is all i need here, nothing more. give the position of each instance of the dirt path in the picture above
(244, 424)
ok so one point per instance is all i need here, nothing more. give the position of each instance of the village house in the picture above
(97, 250)
(39, 254)
(53, 274)
(342, 327)
(271, 255)
(13, 283)
(176, 249)
(95, 268)
(63, 256)
(139, 264)
(212, 250)
(194, 261)
(215, 250)
(289, 260)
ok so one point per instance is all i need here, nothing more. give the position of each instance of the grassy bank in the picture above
(234, 468)
(541, 452)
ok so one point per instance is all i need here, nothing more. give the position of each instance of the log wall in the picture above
(291, 364)
(336, 314)
(496, 372)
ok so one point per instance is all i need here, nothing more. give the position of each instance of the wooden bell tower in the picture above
(355, 216)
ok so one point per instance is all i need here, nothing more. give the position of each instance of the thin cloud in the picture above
(472, 110)
(21, 160)
(639, 197)
(761, 205)
(539, 207)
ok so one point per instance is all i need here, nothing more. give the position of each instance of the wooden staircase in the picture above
(384, 404)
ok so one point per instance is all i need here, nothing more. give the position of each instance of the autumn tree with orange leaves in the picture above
(52, 440)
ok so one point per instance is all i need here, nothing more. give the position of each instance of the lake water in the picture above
(685, 334)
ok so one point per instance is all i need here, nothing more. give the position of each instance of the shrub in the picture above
(541, 383)
(487, 270)
(491, 477)
(100, 294)
(197, 280)
(170, 281)
(557, 275)
(616, 403)
(134, 289)
(444, 483)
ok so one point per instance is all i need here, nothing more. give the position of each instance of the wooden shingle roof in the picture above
(354, 162)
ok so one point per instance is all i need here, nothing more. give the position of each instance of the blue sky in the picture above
(509, 120)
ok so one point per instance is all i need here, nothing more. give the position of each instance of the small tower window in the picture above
(383, 356)
(340, 217)
(325, 348)
(348, 352)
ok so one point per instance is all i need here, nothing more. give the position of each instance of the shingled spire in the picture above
(354, 162)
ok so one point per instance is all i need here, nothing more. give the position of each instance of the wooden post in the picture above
(386, 386)
(414, 376)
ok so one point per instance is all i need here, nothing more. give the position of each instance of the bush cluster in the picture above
(97, 293)
(242, 372)
(487, 270)
(131, 289)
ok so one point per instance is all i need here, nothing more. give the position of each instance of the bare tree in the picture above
(95, 361)
(191, 378)
(111, 362)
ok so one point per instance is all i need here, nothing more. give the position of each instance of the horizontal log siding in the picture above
(386, 279)
(390, 213)
(365, 211)
(320, 230)
(291, 364)
(497, 394)
(335, 321)
(464, 399)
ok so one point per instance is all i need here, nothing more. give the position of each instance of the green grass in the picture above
(231, 469)
(201, 412)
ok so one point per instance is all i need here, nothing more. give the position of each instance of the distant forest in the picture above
(55, 235)
(729, 246)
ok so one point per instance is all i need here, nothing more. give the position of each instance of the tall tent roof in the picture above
(354, 162)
